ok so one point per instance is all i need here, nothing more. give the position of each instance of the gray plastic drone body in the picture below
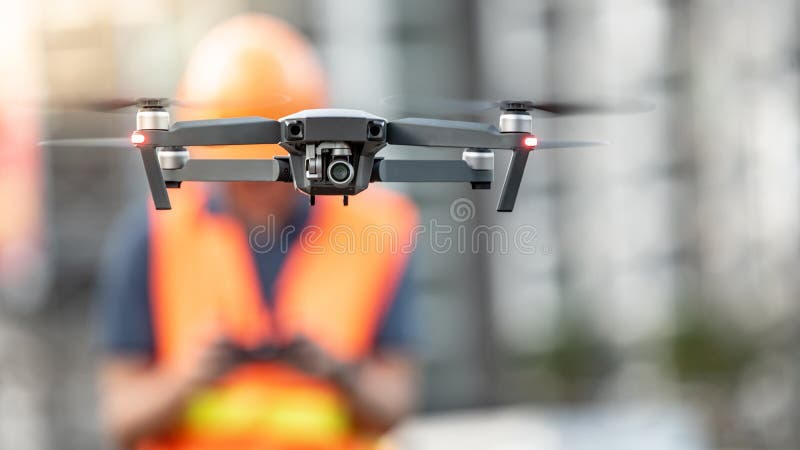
(331, 151)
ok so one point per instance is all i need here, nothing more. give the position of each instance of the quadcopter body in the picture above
(331, 151)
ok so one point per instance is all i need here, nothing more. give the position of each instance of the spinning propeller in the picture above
(446, 106)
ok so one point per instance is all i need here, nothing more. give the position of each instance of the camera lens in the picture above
(340, 172)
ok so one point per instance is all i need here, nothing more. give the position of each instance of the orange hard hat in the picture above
(250, 65)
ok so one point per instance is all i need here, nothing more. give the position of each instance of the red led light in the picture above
(137, 138)
(530, 141)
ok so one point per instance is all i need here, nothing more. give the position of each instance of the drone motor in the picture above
(152, 114)
(515, 117)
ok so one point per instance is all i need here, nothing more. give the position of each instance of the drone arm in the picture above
(236, 131)
(410, 171)
(447, 133)
(232, 170)
(278, 169)
(450, 133)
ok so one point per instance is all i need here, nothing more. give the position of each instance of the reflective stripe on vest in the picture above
(332, 288)
(311, 414)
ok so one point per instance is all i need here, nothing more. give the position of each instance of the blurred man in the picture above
(188, 293)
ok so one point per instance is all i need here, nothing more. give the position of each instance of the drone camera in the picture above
(330, 163)
(340, 171)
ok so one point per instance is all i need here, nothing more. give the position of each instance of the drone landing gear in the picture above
(516, 169)
(155, 178)
(312, 200)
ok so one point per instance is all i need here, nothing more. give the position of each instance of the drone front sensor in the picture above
(331, 151)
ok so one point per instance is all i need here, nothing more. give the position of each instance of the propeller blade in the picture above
(568, 144)
(103, 105)
(437, 106)
(270, 99)
(120, 104)
(447, 106)
(578, 108)
(89, 143)
(111, 105)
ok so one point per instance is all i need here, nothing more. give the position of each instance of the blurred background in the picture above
(659, 308)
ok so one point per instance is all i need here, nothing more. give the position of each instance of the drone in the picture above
(332, 151)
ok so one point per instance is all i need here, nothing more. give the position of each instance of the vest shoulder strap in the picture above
(333, 287)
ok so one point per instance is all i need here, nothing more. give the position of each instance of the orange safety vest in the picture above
(333, 288)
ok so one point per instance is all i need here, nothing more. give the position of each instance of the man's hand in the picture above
(310, 358)
(381, 388)
(211, 363)
(139, 400)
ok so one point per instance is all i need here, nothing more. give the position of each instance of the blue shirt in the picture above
(124, 295)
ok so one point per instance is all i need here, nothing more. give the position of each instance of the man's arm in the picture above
(137, 400)
(387, 383)
(384, 389)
